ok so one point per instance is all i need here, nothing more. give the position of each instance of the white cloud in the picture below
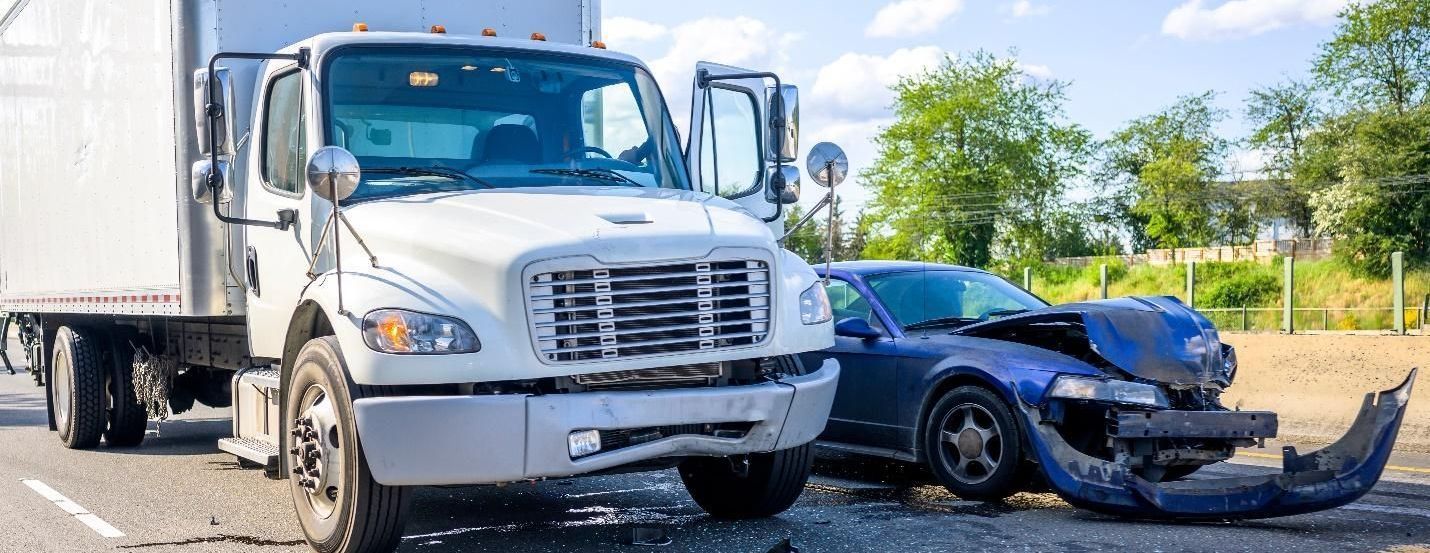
(1193, 20)
(911, 17)
(619, 31)
(739, 41)
(1036, 71)
(857, 85)
(1025, 8)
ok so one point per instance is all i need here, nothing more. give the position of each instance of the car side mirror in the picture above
(783, 109)
(854, 327)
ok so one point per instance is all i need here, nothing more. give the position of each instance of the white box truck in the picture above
(410, 243)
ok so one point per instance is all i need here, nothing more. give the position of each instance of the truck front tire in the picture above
(340, 507)
(748, 486)
(77, 388)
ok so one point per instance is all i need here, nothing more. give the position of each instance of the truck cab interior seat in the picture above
(511, 143)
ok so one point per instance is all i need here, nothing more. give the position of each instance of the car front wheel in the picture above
(973, 444)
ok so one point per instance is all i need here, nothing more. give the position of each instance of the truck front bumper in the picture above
(490, 439)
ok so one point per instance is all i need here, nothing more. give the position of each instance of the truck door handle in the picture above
(251, 266)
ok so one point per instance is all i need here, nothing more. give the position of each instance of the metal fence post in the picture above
(1397, 284)
(1243, 319)
(1102, 274)
(1288, 297)
(1028, 279)
(1192, 284)
(1424, 312)
(1325, 319)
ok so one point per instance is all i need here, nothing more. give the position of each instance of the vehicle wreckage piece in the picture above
(1319, 480)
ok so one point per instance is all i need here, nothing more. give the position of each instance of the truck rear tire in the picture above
(77, 388)
(748, 486)
(340, 507)
(128, 419)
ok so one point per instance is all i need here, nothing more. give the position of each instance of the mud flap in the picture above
(1319, 480)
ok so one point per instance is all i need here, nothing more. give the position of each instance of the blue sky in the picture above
(1124, 58)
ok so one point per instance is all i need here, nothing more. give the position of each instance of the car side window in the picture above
(284, 150)
(846, 302)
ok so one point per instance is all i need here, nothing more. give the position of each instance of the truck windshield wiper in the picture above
(431, 172)
(598, 174)
(941, 322)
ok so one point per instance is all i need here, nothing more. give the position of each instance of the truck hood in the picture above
(613, 224)
(1149, 338)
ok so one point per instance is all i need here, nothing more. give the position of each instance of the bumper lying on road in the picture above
(1323, 479)
(505, 438)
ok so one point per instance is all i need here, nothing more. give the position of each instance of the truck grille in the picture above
(631, 312)
(658, 375)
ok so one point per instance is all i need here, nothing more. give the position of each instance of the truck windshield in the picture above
(442, 120)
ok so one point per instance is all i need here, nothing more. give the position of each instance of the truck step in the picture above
(250, 449)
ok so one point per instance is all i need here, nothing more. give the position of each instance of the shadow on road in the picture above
(23, 410)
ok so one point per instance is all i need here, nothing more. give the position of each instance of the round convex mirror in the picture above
(827, 164)
(333, 173)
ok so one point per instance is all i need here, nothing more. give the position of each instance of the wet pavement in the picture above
(178, 493)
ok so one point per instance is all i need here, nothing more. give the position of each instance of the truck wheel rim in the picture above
(971, 443)
(60, 384)
(316, 457)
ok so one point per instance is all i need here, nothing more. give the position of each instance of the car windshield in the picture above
(453, 119)
(949, 298)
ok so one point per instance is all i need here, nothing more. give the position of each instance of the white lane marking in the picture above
(83, 515)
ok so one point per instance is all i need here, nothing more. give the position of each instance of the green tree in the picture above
(1380, 54)
(1284, 115)
(1162, 172)
(978, 151)
(807, 242)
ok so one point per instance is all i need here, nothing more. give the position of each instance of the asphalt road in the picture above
(178, 493)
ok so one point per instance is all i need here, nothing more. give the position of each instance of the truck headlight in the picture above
(400, 331)
(814, 305)
(1111, 391)
(1228, 363)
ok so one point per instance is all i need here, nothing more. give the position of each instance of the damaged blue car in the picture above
(1115, 402)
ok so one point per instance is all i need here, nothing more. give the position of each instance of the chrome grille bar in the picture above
(596, 313)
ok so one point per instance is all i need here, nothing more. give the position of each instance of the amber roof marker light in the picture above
(489, 32)
(598, 44)
(538, 36)
(439, 29)
(359, 27)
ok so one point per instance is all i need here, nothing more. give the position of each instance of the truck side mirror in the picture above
(854, 327)
(783, 184)
(333, 173)
(201, 118)
(783, 109)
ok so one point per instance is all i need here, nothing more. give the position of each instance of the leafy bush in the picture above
(1244, 288)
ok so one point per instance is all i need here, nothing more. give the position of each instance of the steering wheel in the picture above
(589, 149)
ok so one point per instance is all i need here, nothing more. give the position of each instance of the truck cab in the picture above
(493, 262)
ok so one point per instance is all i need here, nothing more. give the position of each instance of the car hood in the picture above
(1149, 338)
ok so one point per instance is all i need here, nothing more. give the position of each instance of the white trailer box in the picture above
(96, 210)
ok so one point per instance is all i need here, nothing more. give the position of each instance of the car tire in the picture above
(128, 419)
(973, 444)
(340, 507)
(77, 388)
(748, 486)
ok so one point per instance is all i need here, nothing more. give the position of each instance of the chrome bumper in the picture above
(504, 438)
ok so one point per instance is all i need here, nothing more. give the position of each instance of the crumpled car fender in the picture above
(1327, 478)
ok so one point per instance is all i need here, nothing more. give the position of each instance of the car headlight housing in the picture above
(1109, 391)
(1228, 363)
(814, 305)
(402, 331)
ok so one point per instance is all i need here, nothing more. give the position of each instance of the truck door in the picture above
(725, 151)
(275, 261)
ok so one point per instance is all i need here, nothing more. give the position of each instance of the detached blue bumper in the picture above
(1322, 479)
